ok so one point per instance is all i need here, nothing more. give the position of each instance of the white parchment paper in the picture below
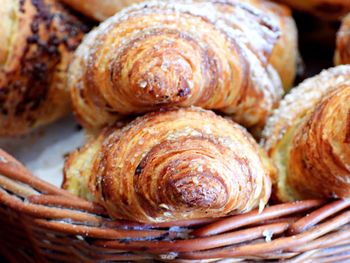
(43, 150)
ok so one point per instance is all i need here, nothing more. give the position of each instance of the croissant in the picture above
(171, 165)
(342, 54)
(159, 54)
(37, 40)
(324, 9)
(308, 138)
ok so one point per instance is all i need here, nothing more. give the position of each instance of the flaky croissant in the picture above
(342, 54)
(163, 54)
(174, 164)
(285, 53)
(308, 138)
(37, 39)
(324, 9)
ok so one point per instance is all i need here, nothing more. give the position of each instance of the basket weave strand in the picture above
(41, 223)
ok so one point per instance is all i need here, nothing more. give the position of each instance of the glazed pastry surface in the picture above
(37, 40)
(170, 165)
(308, 138)
(161, 54)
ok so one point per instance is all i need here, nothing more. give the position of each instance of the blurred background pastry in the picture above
(37, 40)
(342, 54)
(324, 9)
(99, 10)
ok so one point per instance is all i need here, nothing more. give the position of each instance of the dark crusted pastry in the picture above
(37, 39)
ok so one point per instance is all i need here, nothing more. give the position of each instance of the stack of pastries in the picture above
(144, 85)
(177, 60)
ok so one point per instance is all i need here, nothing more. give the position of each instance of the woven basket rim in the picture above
(282, 230)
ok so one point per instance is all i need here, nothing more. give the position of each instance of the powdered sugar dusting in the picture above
(237, 25)
(301, 100)
(252, 30)
(143, 84)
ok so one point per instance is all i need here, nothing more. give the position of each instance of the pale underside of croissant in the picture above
(342, 54)
(324, 9)
(308, 138)
(170, 165)
(222, 55)
(37, 40)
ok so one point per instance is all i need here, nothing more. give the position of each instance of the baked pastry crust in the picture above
(308, 138)
(285, 54)
(37, 40)
(159, 54)
(342, 54)
(174, 164)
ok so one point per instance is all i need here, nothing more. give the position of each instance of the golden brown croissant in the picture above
(37, 39)
(284, 57)
(174, 164)
(164, 54)
(324, 9)
(342, 54)
(285, 53)
(308, 138)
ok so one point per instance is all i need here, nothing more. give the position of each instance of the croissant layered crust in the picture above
(37, 40)
(171, 165)
(342, 54)
(160, 54)
(308, 138)
(324, 9)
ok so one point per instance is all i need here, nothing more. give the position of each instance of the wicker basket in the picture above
(41, 223)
